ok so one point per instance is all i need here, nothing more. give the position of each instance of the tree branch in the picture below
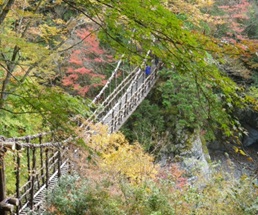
(6, 10)
(25, 112)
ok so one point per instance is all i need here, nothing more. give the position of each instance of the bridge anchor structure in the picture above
(39, 160)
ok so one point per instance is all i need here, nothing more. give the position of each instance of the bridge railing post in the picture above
(32, 177)
(2, 180)
(6, 204)
(112, 121)
(41, 160)
(59, 162)
(46, 164)
(17, 175)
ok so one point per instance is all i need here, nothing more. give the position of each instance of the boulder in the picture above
(190, 152)
(195, 156)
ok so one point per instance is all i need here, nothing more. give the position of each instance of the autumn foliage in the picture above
(239, 18)
(235, 15)
(118, 158)
(86, 64)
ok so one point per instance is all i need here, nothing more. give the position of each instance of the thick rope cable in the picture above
(114, 73)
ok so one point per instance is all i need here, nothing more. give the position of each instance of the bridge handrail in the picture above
(39, 170)
(140, 92)
(134, 87)
(24, 138)
(115, 96)
(112, 98)
(113, 75)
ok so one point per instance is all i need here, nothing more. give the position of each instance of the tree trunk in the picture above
(5, 10)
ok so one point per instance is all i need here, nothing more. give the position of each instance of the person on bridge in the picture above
(148, 70)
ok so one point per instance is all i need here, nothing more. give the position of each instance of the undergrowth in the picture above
(163, 196)
(107, 185)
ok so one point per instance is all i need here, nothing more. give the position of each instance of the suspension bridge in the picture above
(39, 160)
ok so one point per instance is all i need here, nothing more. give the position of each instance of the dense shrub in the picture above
(217, 193)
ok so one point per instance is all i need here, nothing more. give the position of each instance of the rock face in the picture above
(249, 121)
(190, 152)
(194, 156)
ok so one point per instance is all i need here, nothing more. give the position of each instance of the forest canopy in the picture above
(210, 45)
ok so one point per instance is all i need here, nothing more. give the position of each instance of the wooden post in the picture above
(112, 121)
(59, 161)
(32, 177)
(46, 164)
(69, 158)
(17, 173)
(41, 161)
(2, 180)
(53, 158)
(28, 160)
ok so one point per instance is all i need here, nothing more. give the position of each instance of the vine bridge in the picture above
(39, 160)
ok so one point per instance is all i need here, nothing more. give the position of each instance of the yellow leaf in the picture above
(250, 159)
(236, 149)
(242, 152)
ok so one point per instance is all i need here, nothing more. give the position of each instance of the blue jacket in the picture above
(148, 70)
